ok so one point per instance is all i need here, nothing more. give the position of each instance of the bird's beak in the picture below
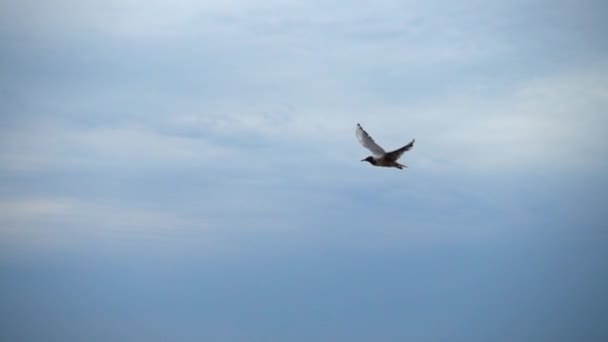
(362, 159)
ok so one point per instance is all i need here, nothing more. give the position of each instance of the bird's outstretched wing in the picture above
(396, 154)
(368, 142)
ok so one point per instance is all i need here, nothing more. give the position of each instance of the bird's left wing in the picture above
(396, 154)
(367, 141)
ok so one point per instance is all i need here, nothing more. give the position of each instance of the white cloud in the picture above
(123, 19)
(59, 146)
(39, 223)
(543, 122)
(239, 116)
(286, 82)
(95, 214)
(549, 120)
(36, 207)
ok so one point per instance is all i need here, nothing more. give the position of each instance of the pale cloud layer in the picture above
(534, 124)
(269, 94)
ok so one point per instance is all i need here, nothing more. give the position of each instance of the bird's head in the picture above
(370, 160)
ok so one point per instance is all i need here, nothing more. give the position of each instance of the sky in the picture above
(188, 170)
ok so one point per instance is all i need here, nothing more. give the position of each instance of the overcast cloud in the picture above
(188, 170)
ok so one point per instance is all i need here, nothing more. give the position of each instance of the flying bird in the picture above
(381, 157)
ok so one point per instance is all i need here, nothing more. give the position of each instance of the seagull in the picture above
(380, 157)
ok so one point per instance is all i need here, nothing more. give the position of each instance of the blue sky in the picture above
(189, 171)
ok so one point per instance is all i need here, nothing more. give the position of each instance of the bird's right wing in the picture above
(367, 141)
